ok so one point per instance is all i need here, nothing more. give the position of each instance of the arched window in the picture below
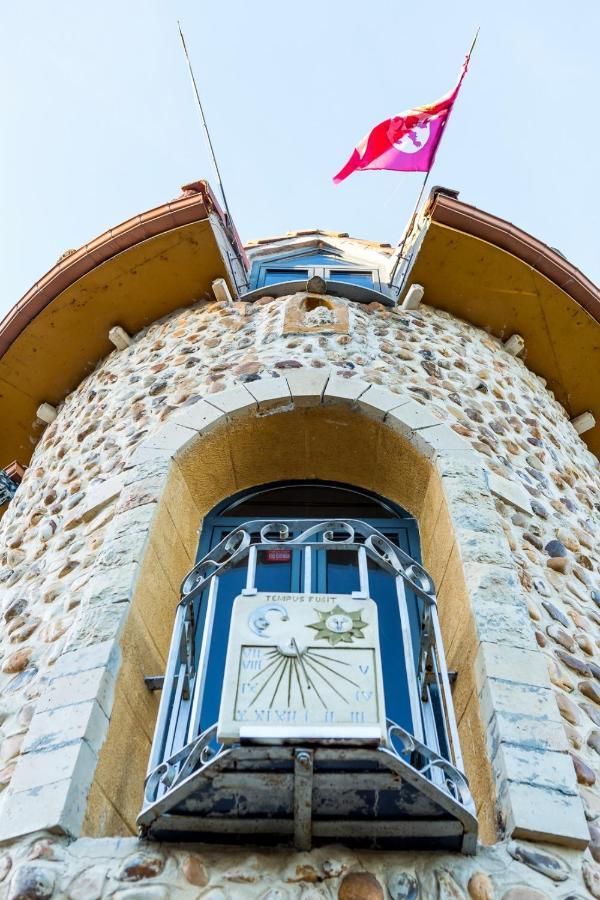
(331, 572)
(306, 663)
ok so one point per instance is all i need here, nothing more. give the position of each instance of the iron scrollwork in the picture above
(404, 751)
(176, 769)
(426, 762)
(8, 488)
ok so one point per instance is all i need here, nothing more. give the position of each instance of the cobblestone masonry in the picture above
(124, 869)
(51, 533)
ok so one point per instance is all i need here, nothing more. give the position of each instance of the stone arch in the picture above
(310, 424)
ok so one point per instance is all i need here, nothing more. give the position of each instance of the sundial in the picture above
(302, 667)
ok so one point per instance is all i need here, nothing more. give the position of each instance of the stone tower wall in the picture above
(53, 530)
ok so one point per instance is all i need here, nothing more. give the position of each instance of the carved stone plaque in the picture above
(305, 667)
(315, 313)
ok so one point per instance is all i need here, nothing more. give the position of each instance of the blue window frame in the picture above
(332, 572)
(277, 275)
(350, 276)
(301, 267)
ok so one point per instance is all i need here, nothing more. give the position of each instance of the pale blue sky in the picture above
(98, 120)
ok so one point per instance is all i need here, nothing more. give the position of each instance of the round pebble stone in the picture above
(31, 882)
(593, 712)
(360, 886)
(447, 887)
(585, 774)
(539, 509)
(568, 709)
(194, 870)
(559, 564)
(594, 845)
(141, 865)
(402, 886)
(591, 877)
(591, 690)
(17, 661)
(556, 613)
(540, 861)
(561, 637)
(573, 663)
(480, 886)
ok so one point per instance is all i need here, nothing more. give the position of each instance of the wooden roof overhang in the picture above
(131, 275)
(501, 279)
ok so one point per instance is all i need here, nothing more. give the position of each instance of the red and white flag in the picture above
(408, 142)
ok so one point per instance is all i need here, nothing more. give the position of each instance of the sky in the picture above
(99, 121)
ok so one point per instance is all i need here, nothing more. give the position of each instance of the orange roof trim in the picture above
(196, 202)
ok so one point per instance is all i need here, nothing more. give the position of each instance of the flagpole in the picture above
(408, 230)
(399, 255)
(205, 126)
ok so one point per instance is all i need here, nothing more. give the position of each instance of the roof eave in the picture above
(553, 265)
(193, 206)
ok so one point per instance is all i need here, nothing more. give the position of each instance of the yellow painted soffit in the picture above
(496, 291)
(65, 341)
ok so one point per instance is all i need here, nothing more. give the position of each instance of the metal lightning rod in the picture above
(205, 126)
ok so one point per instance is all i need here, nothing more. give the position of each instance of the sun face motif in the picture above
(337, 625)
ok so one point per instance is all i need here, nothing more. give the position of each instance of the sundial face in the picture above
(303, 666)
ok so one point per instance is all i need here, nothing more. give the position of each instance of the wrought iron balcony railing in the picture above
(8, 487)
(408, 790)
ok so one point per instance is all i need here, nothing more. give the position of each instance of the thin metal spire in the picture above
(474, 41)
(205, 126)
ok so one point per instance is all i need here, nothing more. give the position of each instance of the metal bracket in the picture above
(431, 679)
(303, 785)
(187, 651)
(154, 682)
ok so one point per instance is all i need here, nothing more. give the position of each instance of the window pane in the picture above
(274, 569)
(333, 571)
(342, 571)
(438, 712)
(310, 501)
(363, 279)
(274, 276)
(230, 585)
(382, 588)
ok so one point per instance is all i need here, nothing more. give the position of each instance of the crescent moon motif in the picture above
(258, 621)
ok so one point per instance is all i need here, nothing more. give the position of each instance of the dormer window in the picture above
(296, 267)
